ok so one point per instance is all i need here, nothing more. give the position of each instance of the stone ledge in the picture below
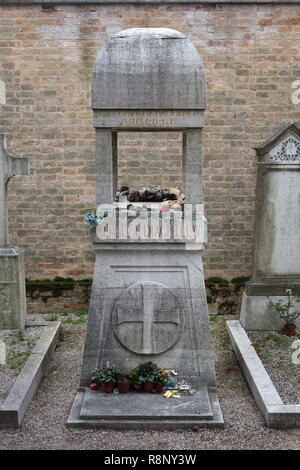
(276, 413)
(140, 423)
(28, 381)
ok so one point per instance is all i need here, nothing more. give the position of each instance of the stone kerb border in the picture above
(28, 381)
(276, 414)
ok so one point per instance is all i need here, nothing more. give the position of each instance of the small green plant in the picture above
(80, 320)
(21, 337)
(216, 285)
(148, 371)
(68, 320)
(80, 313)
(108, 373)
(52, 317)
(266, 355)
(257, 348)
(134, 375)
(213, 318)
(286, 310)
(65, 312)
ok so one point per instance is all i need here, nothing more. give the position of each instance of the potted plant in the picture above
(123, 383)
(106, 376)
(147, 375)
(162, 378)
(287, 312)
(134, 375)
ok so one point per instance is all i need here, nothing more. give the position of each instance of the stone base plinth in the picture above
(12, 289)
(148, 303)
(256, 311)
(145, 411)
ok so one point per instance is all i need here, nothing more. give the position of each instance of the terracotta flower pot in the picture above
(124, 387)
(107, 387)
(147, 386)
(159, 388)
(289, 330)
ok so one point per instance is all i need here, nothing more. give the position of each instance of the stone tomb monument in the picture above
(148, 299)
(276, 264)
(12, 275)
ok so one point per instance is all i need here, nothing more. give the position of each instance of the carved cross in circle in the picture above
(9, 166)
(147, 317)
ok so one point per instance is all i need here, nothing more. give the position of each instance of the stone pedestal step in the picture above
(145, 411)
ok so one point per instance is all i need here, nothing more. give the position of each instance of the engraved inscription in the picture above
(147, 318)
(148, 119)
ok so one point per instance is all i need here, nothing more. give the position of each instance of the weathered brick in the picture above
(251, 57)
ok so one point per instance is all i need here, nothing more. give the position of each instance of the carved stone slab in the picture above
(12, 289)
(148, 119)
(147, 318)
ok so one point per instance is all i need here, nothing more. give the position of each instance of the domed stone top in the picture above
(148, 68)
(160, 33)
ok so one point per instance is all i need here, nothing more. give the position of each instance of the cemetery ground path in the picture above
(44, 425)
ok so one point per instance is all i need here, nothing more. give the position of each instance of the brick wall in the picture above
(149, 158)
(251, 56)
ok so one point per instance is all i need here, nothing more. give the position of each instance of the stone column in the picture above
(106, 165)
(12, 274)
(192, 165)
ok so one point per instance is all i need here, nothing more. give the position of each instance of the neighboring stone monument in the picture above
(2, 93)
(12, 275)
(276, 263)
(148, 299)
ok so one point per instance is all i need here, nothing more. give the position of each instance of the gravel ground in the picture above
(18, 348)
(276, 356)
(44, 423)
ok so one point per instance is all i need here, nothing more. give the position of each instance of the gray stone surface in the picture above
(257, 314)
(26, 385)
(2, 93)
(276, 263)
(181, 275)
(148, 68)
(174, 418)
(12, 289)
(138, 406)
(148, 300)
(12, 275)
(143, 120)
(9, 166)
(276, 414)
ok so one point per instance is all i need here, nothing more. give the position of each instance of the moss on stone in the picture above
(55, 287)
(239, 282)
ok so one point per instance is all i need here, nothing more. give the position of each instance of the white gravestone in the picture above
(276, 263)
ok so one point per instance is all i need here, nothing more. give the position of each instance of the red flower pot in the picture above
(159, 388)
(93, 386)
(289, 330)
(107, 387)
(124, 387)
(147, 386)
